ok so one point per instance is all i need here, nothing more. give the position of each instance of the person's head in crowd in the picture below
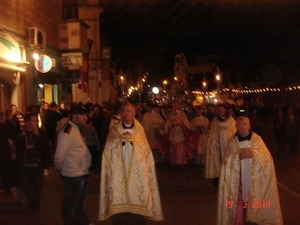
(222, 110)
(32, 109)
(65, 113)
(63, 99)
(243, 125)
(128, 112)
(78, 115)
(46, 106)
(52, 105)
(97, 110)
(199, 111)
(31, 121)
(14, 109)
(211, 109)
(117, 108)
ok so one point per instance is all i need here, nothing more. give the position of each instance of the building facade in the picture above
(41, 28)
(29, 27)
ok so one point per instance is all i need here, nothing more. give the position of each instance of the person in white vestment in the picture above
(201, 123)
(248, 192)
(152, 120)
(222, 128)
(128, 187)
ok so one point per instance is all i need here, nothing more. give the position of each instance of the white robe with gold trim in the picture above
(138, 193)
(263, 202)
(213, 154)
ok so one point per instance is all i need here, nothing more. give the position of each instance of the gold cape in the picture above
(213, 158)
(263, 203)
(139, 193)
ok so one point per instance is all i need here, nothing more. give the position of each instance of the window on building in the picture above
(70, 9)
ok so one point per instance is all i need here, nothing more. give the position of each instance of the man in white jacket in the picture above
(73, 158)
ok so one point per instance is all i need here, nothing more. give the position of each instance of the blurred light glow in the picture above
(35, 56)
(155, 90)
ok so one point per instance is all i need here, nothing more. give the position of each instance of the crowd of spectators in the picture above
(169, 128)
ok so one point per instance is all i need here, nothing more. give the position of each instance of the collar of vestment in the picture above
(244, 138)
(125, 126)
(222, 119)
(116, 118)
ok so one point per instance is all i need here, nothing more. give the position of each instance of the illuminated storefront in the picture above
(47, 75)
(12, 70)
(25, 80)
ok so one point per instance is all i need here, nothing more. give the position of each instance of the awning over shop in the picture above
(10, 54)
(9, 49)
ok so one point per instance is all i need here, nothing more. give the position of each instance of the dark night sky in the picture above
(145, 35)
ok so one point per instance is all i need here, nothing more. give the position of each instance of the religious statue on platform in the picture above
(181, 70)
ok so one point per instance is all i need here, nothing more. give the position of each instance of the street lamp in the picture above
(204, 87)
(165, 83)
(140, 87)
(218, 81)
(155, 91)
(122, 81)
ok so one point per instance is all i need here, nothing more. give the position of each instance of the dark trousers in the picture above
(95, 156)
(128, 219)
(76, 189)
(32, 185)
(51, 132)
(6, 175)
(215, 182)
(17, 174)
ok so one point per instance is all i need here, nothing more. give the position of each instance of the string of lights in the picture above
(250, 91)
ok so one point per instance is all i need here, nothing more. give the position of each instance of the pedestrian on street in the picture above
(13, 130)
(51, 117)
(279, 132)
(73, 158)
(248, 192)
(222, 128)
(151, 120)
(93, 143)
(17, 116)
(33, 154)
(200, 123)
(43, 115)
(128, 189)
(292, 130)
(5, 157)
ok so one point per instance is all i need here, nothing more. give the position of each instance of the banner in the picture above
(73, 59)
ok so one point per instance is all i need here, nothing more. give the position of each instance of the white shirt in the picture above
(127, 149)
(72, 156)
